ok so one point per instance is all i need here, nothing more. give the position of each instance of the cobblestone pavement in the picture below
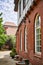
(6, 60)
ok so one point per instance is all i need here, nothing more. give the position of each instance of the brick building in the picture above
(29, 36)
(10, 28)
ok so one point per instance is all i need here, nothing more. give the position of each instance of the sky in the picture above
(7, 8)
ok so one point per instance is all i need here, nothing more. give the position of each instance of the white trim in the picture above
(26, 39)
(30, 2)
(37, 34)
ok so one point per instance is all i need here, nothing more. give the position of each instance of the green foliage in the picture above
(14, 50)
(1, 20)
(13, 53)
(1, 29)
(3, 37)
(12, 40)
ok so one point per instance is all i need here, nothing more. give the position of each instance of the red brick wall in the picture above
(33, 58)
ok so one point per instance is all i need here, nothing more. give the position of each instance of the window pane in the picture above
(37, 31)
(38, 21)
(40, 30)
(37, 24)
(40, 36)
(37, 37)
(38, 49)
(38, 43)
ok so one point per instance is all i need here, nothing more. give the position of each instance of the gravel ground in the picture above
(5, 59)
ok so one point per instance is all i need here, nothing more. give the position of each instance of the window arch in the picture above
(38, 34)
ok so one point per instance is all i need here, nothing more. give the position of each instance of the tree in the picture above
(11, 42)
(3, 37)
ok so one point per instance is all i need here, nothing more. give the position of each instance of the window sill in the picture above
(37, 55)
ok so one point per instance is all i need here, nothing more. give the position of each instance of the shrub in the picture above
(13, 53)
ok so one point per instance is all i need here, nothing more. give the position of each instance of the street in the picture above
(5, 59)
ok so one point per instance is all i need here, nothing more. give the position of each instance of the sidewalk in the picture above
(3, 53)
(6, 60)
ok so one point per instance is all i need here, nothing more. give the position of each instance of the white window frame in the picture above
(36, 40)
(25, 39)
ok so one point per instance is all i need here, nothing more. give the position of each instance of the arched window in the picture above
(38, 34)
(25, 39)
